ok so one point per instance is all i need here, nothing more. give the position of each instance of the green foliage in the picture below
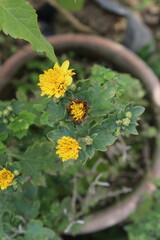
(145, 221)
(34, 164)
(62, 192)
(20, 14)
(35, 230)
(72, 5)
(16, 208)
(21, 123)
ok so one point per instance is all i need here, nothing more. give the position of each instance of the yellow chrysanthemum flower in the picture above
(68, 148)
(54, 82)
(78, 109)
(6, 178)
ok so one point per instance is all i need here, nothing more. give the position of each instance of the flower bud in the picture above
(128, 115)
(6, 113)
(73, 87)
(88, 140)
(5, 121)
(9, 108)
(119, 122)
(16, 172)
(126, 121)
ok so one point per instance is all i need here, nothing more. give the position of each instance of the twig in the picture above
(116, 193)
(74, 195)
(71, 18)
(71, 224)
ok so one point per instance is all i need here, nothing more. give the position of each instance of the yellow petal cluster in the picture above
(6, 178)
(54, 82)
(67, 148)
(78, 109)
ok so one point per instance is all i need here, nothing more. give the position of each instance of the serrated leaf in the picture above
(132, 129)
(54, 135)
(137, 110)
(39, 107)
(36, 231)
(99, 98)
(55, 112)
(37, 159)
(44, 119)
(21, 123)
(18, 19)
(102, 74)
(101, 139)
(90, 150)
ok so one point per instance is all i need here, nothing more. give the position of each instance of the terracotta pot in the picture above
(120, 58)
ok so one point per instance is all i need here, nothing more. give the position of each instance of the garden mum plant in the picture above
(71, 122)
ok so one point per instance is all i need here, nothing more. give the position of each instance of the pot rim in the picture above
(127, 61)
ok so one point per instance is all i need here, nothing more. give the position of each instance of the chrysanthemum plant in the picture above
(70, 122)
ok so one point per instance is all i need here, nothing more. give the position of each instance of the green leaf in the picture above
(39, 107)
(102, 74)
(44, 119)
(3, 137)
(3, 159)
(99, 98)
(90, 150)
(55, 112)
(132, 129)
(2, 148)
(37, 159)
(101, 139)
(21, 123)
(18, 19)
(138, 110)
(71, 4)
(54, 135)
(36, 231)
(20, 95)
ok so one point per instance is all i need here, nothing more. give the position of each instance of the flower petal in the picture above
(65, 65)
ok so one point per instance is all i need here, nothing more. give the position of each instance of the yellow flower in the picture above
(54, 82)
(68, 148)
(78, 109)
(6, 178)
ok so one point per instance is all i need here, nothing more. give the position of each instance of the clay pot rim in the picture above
(126, 60)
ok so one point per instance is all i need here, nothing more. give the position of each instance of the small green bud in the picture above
(11, 119)
(16, 172)
(6, 113)
(5, 121)
(9, 108)
(73, 87)
(119, 122)
(126, 121)
(88, 140)
(56, 100)
(128, 115)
